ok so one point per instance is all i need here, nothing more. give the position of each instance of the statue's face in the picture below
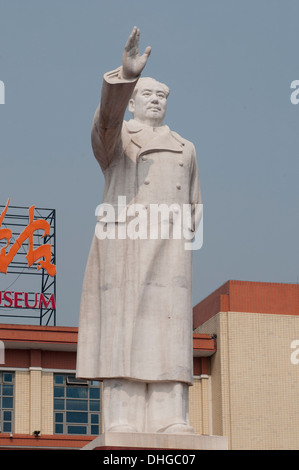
(149, 103)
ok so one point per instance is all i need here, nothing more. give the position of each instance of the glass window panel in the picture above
(7, 377)
(77, 430)
(59, 428)
(94, 393)
(94, 419)
(59, 379)
(58, 404)
(7, 402)
(94, 429)
(94, 405)
(58, 392)
(7, 390)
(76, 417)
(80, 405)
(6, 427)
(6, 415)
(59, 417)
(72, 380)
(77, 392)
(94, 383)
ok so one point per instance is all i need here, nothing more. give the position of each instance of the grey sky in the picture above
(229, 65)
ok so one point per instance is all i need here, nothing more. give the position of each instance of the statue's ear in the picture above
(131, 106)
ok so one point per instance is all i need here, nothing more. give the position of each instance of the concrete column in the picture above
(35, 399)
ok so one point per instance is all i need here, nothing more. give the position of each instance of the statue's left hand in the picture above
(133, 62)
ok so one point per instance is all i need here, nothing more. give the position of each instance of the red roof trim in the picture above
(38, 334)
(25, 441)
(247, 296)
(47, 337)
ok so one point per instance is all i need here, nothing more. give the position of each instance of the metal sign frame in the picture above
(17, 219)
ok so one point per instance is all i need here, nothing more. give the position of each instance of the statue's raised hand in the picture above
(133, 62)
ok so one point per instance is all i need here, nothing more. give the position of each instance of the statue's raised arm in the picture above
(108, 118)
(133, 62)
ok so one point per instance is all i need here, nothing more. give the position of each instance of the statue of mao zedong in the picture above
(135, 325)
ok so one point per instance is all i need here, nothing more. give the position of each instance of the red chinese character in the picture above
(33, 255)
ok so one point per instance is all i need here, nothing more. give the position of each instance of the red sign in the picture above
(23, 300)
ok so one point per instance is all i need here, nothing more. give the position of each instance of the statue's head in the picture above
(148, 101)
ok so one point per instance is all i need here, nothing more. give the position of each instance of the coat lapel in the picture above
(151, 140)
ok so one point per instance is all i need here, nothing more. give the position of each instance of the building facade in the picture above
(245, 365)
(255, 372)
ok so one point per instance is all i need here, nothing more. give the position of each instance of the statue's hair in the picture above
(143, 79)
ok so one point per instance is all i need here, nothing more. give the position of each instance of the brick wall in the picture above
(254, 383)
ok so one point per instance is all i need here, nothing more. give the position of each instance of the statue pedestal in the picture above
(156, 441)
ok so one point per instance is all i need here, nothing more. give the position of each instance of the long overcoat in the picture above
(136, 305)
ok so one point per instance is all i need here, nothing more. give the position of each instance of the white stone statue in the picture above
(135, 326)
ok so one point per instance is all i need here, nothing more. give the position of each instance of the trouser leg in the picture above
(130, 406)
(168, 407)
(124, 405)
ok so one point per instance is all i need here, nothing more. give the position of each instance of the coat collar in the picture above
(150, 139)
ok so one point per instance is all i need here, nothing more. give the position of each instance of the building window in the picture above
(76, 405)
(6, 401)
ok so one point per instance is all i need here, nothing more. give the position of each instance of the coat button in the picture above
(144, 158)
(178, 186)
(146, 181)
(181, 163)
